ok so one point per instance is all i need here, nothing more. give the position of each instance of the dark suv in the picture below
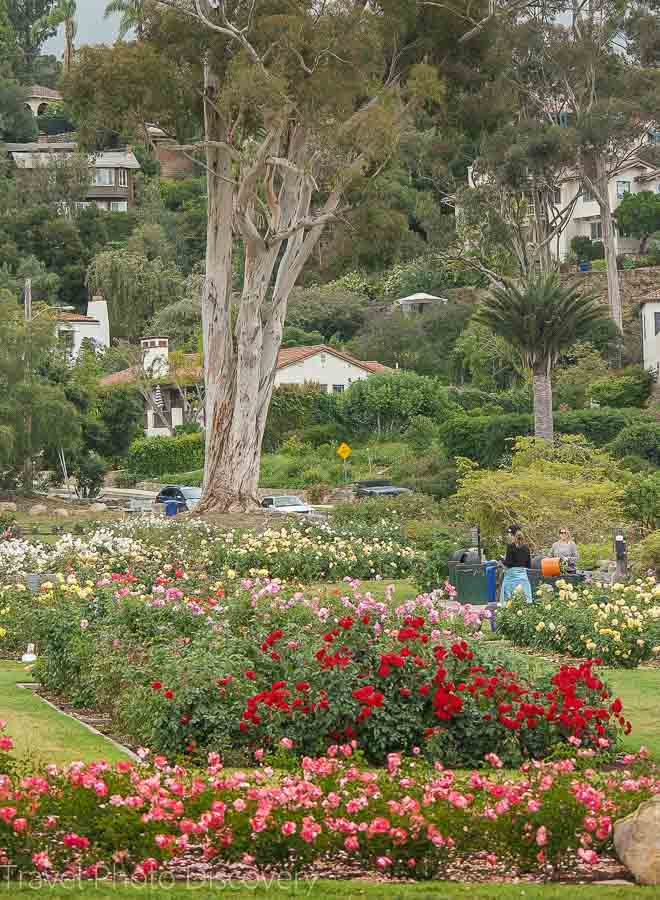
(379, 489)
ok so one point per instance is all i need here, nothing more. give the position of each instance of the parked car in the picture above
(379, 489)
(186, 498)
(286, 504)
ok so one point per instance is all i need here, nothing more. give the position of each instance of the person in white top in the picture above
(565, 548)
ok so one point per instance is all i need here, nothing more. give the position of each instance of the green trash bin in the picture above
(471, 583)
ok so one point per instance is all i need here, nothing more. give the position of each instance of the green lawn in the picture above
(639, 690)
(341, 890)
(404, 589)
(42, 732)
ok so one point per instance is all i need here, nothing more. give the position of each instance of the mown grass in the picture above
(41, 732)
(338, 890)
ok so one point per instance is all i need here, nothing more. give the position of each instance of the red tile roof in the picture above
(189, 369)
(291, 355)
(36, 90)
(63, 316)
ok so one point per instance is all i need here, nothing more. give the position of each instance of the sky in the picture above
(92, 27)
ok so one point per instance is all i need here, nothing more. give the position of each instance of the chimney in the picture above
(97, 308)
(155, 357)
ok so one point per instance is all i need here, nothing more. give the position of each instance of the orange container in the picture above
(550, 566)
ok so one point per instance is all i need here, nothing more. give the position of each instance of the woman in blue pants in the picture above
(516, 562)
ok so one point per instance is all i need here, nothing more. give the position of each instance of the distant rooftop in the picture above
(39, 92)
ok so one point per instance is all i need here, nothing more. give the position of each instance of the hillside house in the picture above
(73, 328)
(39, 98)
(416, 304)
(112, 171)
(175, 378)
(650, 320)
(634, 177)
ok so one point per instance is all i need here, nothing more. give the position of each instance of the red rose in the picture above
(617, 706)
(302, 686)
(168, 694)
(250, 674)
(156, 685)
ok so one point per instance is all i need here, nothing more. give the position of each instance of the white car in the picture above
(286, 504)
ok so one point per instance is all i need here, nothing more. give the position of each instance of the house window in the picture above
(556, 197)
(654, 137)
(65, 339)
(323, 358)
(122, 177)
(104, 177)
(622, 188)
(337, 388)
(119, 206)
(587, 195)
(656, 322)
(596, 231)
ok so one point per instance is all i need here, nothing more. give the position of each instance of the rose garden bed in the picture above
(351, 716)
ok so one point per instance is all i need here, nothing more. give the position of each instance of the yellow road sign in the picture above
(344, 451)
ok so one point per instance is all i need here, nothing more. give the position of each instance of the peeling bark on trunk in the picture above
(241, 356)
(543, 420)
(613, 285)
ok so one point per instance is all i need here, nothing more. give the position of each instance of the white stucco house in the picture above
(73, 328)
(650, 319)
(636, 176)
(174, 379)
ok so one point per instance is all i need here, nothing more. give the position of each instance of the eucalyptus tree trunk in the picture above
(69, 34)
(543, 419)
(602, 179)
(240, 353)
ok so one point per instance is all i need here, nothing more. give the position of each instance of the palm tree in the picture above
(541, 319)
(69, 10)
(132, 14)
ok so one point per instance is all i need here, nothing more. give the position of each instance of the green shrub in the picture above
(125, 479)
(599, 265)
(592, 554)
(637, 464)
(433, 569)
(295, 408)
(584, 248)
(598, 425)
(421, 433)
(645, 556)
(631, 389)
(484, 439)
(191, 479)
(89, 474)
(641, 501)
(640, 438)
(151, 457)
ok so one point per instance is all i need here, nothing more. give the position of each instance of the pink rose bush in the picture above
(409, 819)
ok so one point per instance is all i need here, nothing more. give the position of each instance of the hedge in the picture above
(641, 438)
(486, 439)
(152, 457)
